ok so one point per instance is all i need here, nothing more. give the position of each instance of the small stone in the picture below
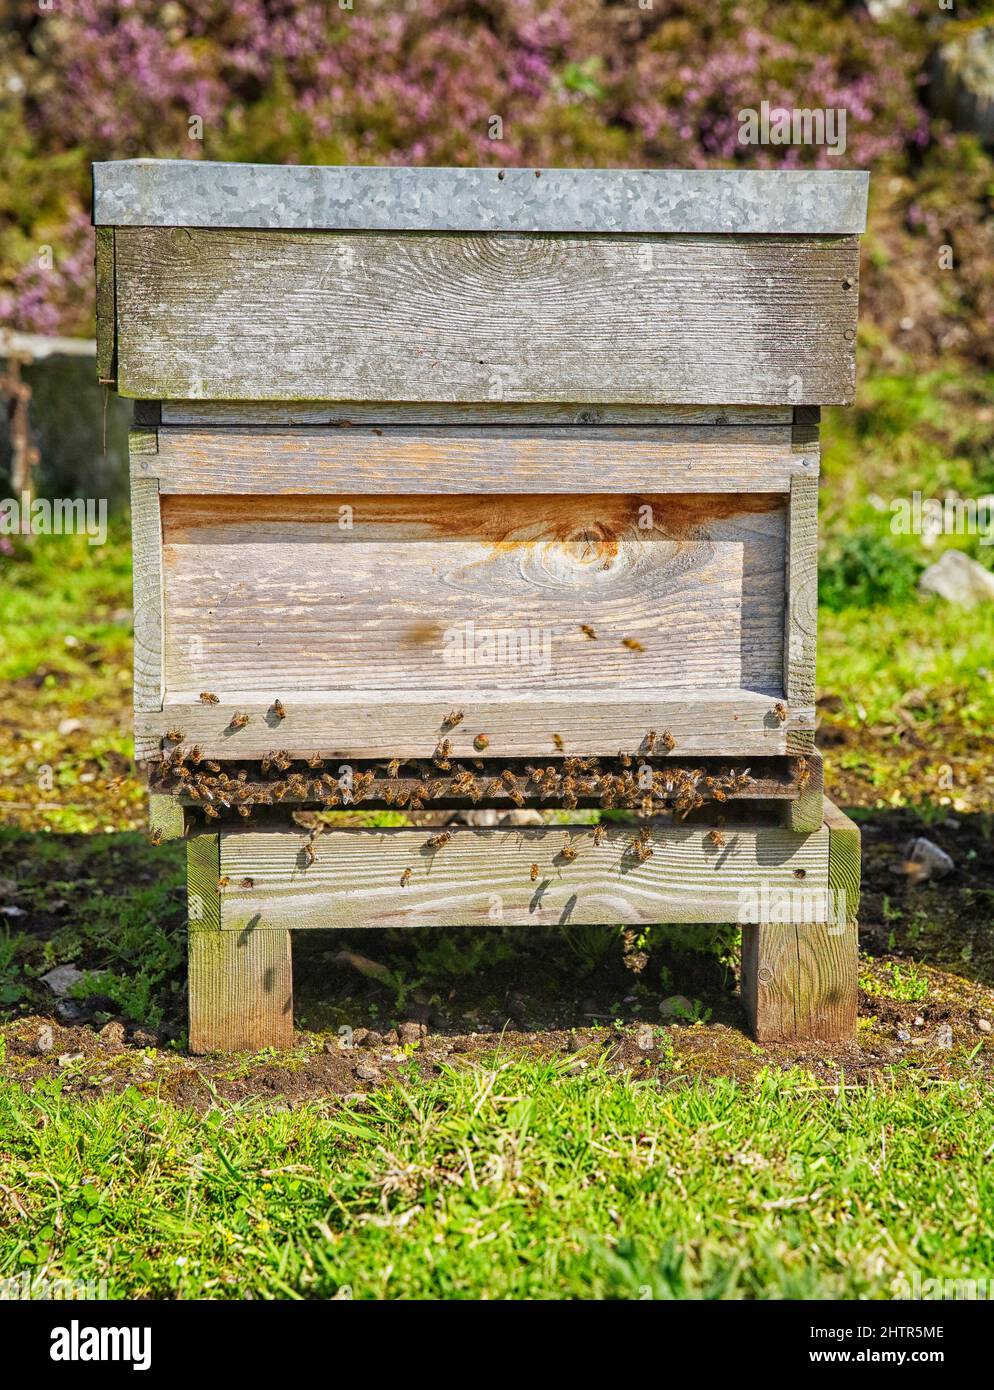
(927, 859)
(370, 1038)
(44, 1042)
(72, 1011)
(517, 1006)
(409, 1033)
(13, 912)
(70, 726)
(958, 579)
(944, 1037)
(903, 1035)
(984, 1025)
(645, 1038)
(676, 1006)
(66, 1059)
(111, 1035)
(61, 980)
(367, 1071)
(390, 1038)
(918, 1022)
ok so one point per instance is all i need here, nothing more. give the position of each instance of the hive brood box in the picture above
(536, 446)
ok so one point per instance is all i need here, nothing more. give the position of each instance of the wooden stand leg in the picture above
(800, 981)
(241, 982)
(241, 991)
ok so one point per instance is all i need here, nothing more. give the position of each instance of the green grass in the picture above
(517, 1180)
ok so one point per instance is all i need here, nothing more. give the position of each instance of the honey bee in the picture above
(393, 767)
(780, 711)
(667, 740)
(599, 833)
(207, 697)
(558, 741)
(633, 644)
(315, 761)
(534, 873)
(436, 842)
(650, 740)
(803, 772)
(279, 709)
(716, 838)
(196, 754)
(453, 718)
(174, 736)
(155, 836)
(210, 811)
(244, 811)
(405, 878)
(588, 631)
(567, 852)
(480, 742)
(247, 883)
(440, 757)
(310, 853)
(223, 881)
(640, 846)
(238, 721)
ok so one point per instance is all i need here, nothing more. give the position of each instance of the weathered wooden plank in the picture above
(166, 817)
(240, 991)
(378, 316)
(801, 981)
(202, 872)
(106, 311)
(805, 811)
(474, 459)
(420, 414)
(844, 859)
(146, 538)
(406, 723)
(483, 876)
(297, 595)
(801, 574)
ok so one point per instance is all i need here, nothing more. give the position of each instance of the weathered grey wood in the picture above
(106, 314)
(407, 723)
(280, 315)
(487, 459)
(801, 576)
(844, 859)
(298, 595)
(146, 538)
(240, 990)
(166, 817)
(417, 414)
(804, 812)
(203, 193)
(800, 982)
(240, 987)
(484, 876)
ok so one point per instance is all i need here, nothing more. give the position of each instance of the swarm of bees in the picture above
(629, 782)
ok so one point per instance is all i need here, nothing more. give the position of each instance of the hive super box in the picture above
(537, 447)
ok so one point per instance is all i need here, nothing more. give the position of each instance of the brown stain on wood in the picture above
(592, 521)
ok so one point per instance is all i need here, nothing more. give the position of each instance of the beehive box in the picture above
(537, 447)
(421, 432)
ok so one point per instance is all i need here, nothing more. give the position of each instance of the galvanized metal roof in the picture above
(200, 193)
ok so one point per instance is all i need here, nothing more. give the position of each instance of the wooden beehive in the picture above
(536, 446)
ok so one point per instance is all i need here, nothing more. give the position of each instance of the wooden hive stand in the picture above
(534, 448)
